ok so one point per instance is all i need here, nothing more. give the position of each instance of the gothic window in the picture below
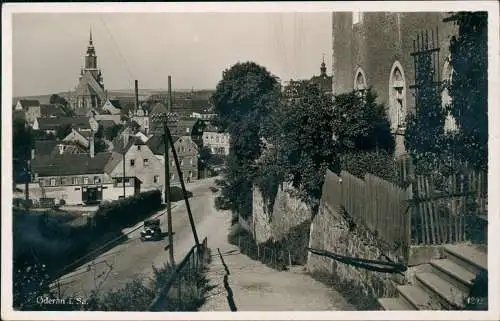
(450, 124)
(360, 81)
(397, 97)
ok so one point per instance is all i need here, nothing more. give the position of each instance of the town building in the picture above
(77, 137)
(112, 106)
(51, 124)
(323, 81)
(141, 117)
(78, 179)
(24, 104)
(374, 49)
(216, 141)
(89, 93)
(203, 115)
(140, 162)
(42, 110)
(187, 153)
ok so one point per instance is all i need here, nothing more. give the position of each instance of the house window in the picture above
(146, 162)
(41, 182)
(156, 179)
(182, 162)
(75, 180)
(63, 181)
(97, 179)
(85, 180)
(138, 147)
(191, 160)
(52, 182)
(187, 130)
(132, 162)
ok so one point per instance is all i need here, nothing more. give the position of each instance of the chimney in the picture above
(170, 98)
(91, 144)
(136, 95)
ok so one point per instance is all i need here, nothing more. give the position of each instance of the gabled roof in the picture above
(46, 123)
(29, 102)
(71, 164)
(116, 103)
(51, 110)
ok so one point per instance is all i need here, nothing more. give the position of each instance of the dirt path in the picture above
(256, 287)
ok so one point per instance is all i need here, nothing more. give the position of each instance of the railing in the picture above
(454, 211)
(170, 296)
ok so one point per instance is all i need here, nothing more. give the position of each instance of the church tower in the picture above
(90, 93)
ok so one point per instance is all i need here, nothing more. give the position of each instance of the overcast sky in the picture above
(48, 48)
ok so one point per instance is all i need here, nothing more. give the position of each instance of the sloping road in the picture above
(133, 258)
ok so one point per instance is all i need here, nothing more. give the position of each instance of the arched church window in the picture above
(397, 97)
(450, 124)
(360, 85)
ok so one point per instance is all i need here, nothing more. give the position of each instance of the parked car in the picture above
(151, 230)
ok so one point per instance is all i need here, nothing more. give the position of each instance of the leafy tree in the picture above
(55, 99)
(63, 130)
(303, 142)
(360, 123)
(243, 99)
(424, 134)
(111, 132)
(100, 146)
(469, 87)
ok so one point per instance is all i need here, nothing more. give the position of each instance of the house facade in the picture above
(140, 162)
(81, 138)
(50, 124)
(374, 49)
(187, 153)
(217, 142)
(112, 106)
(79, 179)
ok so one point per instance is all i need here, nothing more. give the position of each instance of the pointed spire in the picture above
(90, 39)
(323, 66)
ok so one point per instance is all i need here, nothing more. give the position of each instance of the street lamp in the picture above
(162, 118)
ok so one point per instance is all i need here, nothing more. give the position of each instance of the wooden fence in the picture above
(380, 205)
(451, 210)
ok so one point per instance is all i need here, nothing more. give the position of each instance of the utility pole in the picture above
(163, 118)
(124, 151)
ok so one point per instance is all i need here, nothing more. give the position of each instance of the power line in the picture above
(118, 49)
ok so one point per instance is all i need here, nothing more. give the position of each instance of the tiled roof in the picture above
(115, 103)
(71, 164)
(29, 102)
(46, 123)
(106, 123)
(44, 147)
(51, 110)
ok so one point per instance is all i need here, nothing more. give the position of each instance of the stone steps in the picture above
(445, 287)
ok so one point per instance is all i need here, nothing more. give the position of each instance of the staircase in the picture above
(445, 286)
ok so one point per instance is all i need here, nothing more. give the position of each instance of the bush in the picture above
(127, 211)
(222, 203)
(380, 164)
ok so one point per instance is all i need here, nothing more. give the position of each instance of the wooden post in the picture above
(167, 194)
(181, 179)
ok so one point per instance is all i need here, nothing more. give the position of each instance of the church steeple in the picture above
(323, 67)
(90, 58)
